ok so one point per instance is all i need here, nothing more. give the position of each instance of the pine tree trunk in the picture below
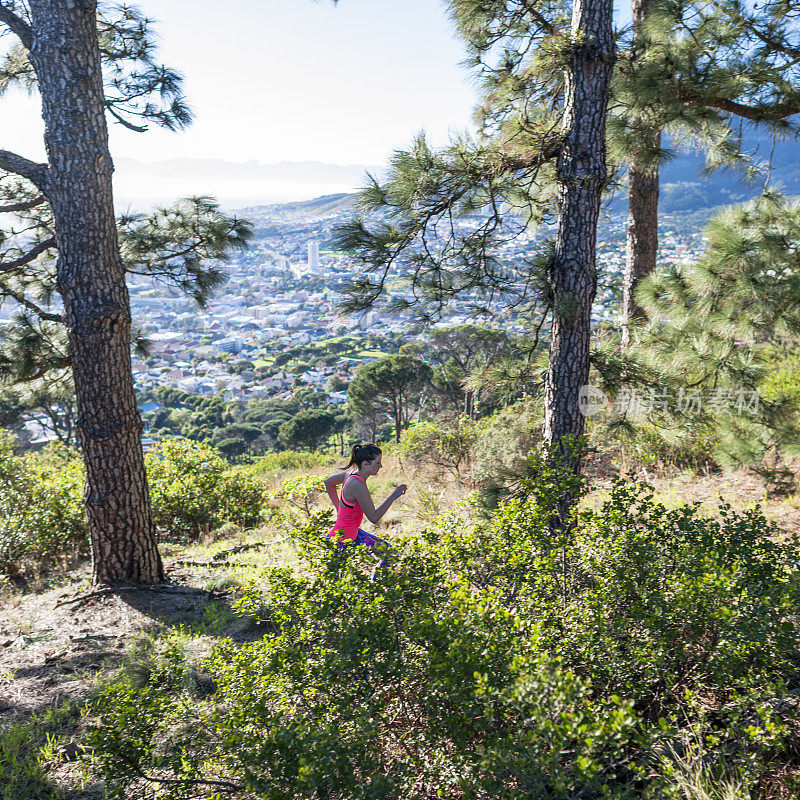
(91, 281)
(581, 176)
(642, 243)
(396, 414)
(643, 182)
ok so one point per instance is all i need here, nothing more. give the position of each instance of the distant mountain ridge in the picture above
(316, 207)
(233, 183)
(288, 183)
(684, 188)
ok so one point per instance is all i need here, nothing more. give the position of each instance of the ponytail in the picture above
(360, 453)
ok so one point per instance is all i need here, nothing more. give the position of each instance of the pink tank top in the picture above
(348, 517)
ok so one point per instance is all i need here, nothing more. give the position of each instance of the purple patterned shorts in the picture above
(380, 547)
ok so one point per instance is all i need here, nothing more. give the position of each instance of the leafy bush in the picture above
(301, 492)
(42, 520)
(494, 659)
(783, 379)
(25, 750)
(691, 447)
(193, 489)
(354, 669)
(503, 448)
(447, 444)
(289, 460)
(57, 484)
(671, 601)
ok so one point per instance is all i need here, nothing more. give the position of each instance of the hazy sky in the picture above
(275, 80)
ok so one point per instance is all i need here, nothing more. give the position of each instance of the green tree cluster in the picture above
(307, 430)
(392, 386)
(697, 71)
(715, 329)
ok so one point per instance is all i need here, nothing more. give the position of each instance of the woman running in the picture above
(355, 502)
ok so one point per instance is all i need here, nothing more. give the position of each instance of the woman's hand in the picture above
(365, 501)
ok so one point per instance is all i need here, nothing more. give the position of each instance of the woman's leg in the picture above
(383, 550)
(380, 547)
(343, 550)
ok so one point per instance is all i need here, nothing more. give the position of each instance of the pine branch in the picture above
(17, 25)
(538, 18)
(23, 206)
(758, 113)
(34, 172)
(772, 43)
(122, 121)
(31, 306)
(33, 253)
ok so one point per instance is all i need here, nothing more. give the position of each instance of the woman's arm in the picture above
(361, 493)
(331, 482)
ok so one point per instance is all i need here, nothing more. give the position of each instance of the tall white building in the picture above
(313, 256)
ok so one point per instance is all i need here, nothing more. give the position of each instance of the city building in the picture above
(313, 257)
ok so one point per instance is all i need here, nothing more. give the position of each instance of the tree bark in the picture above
(643, 183)
(398, 416)
(91, 281)
(581, 176)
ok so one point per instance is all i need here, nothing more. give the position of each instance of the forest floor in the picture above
(60, 639)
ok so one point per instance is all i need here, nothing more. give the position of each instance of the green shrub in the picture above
(22, 771)
(192, 488)
(447, 444)
(492, 659)
(57, 482)
(301, 492)
(275, 463)
(508, 438)
(16, 531)
(449, 683)
(672, 600)
(690, 447)
(42, 519)
(503, 449)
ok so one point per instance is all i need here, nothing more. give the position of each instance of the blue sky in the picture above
(275, 80)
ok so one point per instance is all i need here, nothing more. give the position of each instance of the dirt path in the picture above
(50, 647)
(54, 642)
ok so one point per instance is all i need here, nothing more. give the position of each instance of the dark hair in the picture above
(361, 453)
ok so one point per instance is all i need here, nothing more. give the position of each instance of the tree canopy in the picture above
(389, 385)
(307, 430)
